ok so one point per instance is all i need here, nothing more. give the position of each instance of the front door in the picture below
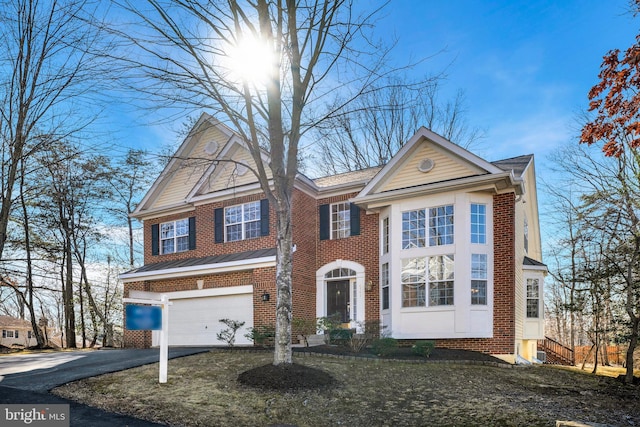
(338, 300)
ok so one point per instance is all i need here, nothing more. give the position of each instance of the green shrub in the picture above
(423, 348)
(384, 346)
(340, 336)
(262, 335)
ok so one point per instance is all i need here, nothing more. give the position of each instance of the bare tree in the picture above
(608, 252)
(378, 124)
(44, 73)
(186, 54)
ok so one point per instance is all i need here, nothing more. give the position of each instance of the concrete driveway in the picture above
(28, 378)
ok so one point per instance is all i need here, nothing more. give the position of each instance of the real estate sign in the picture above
(143, 317)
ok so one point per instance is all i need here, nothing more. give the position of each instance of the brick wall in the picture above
(205, 237)
(363, 249)
(503, 340)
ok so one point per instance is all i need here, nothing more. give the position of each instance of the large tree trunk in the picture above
(284, 258)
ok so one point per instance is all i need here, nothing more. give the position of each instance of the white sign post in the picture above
(164, 339)
(164, 332)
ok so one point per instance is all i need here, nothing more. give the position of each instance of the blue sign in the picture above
(144, 317)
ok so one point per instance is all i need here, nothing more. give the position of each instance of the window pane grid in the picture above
(413, 282)
(340, 220)
(242, 221)
(413, 229)
(441, 275)
(478, 223)
(441, 225)
(533, 298)
(174, 236)
(384, 278)
(478, 279)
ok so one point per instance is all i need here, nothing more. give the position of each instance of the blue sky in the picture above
(525, 66)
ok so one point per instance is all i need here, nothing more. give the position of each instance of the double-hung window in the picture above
(478, 279)
(478, 223)
(242, 221)
(174, 236)
(438, 221)
(413, 282)
(384, 278)
(533, 298)
(434, 273)
(340, 220)
(441, 280)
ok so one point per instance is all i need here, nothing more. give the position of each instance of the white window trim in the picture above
(332, 229)
(242, 222)
(175, 236)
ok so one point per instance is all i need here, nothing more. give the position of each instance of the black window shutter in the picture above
(155, 239)
(192, 233)
(354, 217)
(218, 218)
(324, 222)
(264, 217)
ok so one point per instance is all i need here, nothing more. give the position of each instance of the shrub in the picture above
(262, 335)
(340, 336)
(229, 335)
(384, 346)
(423, 348)
(305, 327)
(328, 324)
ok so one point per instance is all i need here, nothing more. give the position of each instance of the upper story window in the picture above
(174, 236)
(414, 227)
(9, 334)
(478, 279)
(385, 235)
(533, 298)
(478, 223)
(242, 221)
(340, 220)
(526, 235)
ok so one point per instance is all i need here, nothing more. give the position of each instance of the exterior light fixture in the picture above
(265, 296)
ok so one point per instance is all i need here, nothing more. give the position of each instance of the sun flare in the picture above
(250, 60)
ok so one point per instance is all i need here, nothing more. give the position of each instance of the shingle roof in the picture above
(516, 164)
(208, 260)
(363, 175)
(14, 322)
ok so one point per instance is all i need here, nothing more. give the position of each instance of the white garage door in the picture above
(196, 321)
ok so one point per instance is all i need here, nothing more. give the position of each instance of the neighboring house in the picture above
(437, 244)
(16, 332)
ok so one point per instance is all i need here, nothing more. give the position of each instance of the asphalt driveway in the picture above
(28, 378)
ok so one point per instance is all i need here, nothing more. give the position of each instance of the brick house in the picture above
(436, 244)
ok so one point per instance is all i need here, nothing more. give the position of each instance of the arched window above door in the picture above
(340, 272)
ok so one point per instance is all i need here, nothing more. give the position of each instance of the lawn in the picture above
(203, 391)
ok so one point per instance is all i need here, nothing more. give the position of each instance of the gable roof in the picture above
(448, 166)
(14, 322)
(183, 183)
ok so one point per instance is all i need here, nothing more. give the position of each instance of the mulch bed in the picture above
(296, 377)
(404, 353)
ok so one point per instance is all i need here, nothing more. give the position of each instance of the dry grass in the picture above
(202, 391)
